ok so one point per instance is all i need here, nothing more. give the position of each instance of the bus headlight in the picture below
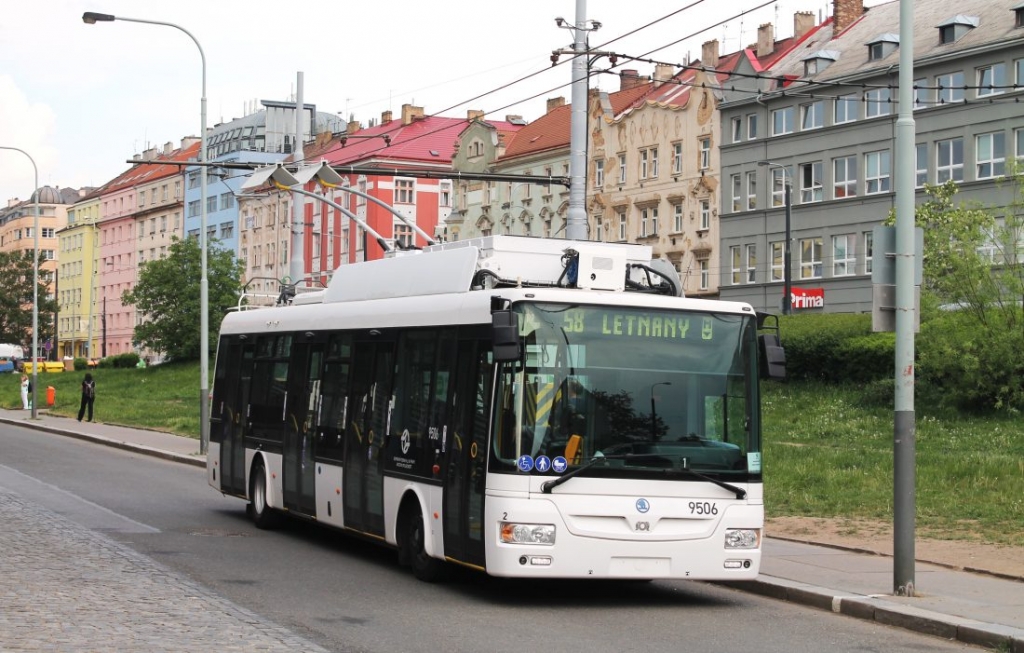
(512, 533)
(742, 538)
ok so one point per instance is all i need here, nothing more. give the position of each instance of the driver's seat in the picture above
(572, 449)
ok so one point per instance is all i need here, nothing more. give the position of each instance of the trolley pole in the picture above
(576, 222)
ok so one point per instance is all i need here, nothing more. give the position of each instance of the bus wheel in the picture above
(262, 515)
(424, 567)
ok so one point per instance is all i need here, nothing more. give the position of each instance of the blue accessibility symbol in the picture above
(559, 464)
(543, 464)
(642, 505)
(525, 463)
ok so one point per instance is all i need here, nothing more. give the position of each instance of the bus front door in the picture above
(370, 404)
(466, 464)
(232, 406)
(303, 401)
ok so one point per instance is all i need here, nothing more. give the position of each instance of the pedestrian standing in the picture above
(24, 392)
(88, 396)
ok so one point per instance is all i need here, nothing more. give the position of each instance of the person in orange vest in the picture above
(88, 396)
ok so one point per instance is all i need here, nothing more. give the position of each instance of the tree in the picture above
(16, 299)
(167, 294)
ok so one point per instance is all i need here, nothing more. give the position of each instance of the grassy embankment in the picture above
(827, 453)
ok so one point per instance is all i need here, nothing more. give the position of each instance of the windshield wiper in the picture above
(547, 486)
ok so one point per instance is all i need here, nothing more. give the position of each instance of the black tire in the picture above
(262, 515)
(425, 568)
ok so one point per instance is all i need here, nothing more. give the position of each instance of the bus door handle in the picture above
(284, 407)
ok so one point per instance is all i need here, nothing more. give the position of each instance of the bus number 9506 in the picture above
(703, 508)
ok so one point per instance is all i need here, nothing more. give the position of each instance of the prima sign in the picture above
(807, 297)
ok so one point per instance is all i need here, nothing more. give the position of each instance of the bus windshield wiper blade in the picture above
(547, 486)
(738, 491)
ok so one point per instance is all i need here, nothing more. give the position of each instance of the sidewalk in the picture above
(969, 607)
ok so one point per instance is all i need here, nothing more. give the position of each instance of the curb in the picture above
(118, 444)
(877, 609)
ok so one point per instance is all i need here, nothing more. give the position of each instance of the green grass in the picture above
(827, 450)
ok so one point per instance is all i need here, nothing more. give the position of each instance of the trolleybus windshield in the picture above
(661, 394)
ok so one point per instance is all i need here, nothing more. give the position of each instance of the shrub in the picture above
(81, 364)
(836, 348)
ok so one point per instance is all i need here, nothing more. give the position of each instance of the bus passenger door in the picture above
(466, 466)
(230, 405)
(303, 403)
(370, 409)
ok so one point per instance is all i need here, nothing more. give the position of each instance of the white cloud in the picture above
(28, 126)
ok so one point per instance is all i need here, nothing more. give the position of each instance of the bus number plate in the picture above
(703, 508)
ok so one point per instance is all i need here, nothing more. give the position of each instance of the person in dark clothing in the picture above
(88, 396)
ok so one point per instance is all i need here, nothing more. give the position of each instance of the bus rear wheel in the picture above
(262, 515)
(424, 567)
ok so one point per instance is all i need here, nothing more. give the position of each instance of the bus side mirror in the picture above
(773, 356)
(505, 336)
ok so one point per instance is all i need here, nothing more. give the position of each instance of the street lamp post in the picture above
(35, 276)
(787, 271)
(92, 18)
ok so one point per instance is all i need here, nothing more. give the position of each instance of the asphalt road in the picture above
(350, 595)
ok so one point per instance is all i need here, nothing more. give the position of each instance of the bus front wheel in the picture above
(424, 567)
(262, 515)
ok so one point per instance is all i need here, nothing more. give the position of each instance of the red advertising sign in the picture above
(807, 297)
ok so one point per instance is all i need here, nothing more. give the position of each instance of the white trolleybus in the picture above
(525, 407)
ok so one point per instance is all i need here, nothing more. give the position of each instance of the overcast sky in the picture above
(82, 99)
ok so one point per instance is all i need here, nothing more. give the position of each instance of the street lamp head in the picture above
(91, 18)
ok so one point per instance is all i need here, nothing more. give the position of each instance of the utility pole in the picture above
(576, 222)
(297, 267)
(904, 466)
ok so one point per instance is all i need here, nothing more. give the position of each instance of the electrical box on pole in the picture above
(883, 278)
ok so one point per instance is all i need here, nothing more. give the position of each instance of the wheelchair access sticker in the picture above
(525, 463)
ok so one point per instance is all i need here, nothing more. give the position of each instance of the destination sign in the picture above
(630, 324)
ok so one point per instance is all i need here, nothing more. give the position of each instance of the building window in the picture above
(211, 204)
(705, 153)
(404, 191)
(812, 115)
(949, 160)
(778, 260)
(193, 208)
(193, 179)
(810, 182)
(598, 231)
(751, 257)
(877, 172)
(737, 130)
(622, 225)
(869, 246)
(751, 126)
(990, 153)
(163, 223)
(677, 217)
(705, 274)
(599, 173)
(737, 270)
(1018, 139)
(677, 158)
(782, 121)
(654, 162)
(403, 235)
(877, 103)
(843, 259)
(227, 230)
(921, 155)
(751, 190)
(737, 189)
(844, 177)
(951, 87)
(643, 164)
(922, 95)
(810, 258)
(778, 187)
(227, 200)
(445, 191)
(845, 109)
(705, 215)
(622, 169)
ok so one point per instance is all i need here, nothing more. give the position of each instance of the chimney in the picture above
(149, 154)
(168, 148)
(629, 78)
(474, 114)
(188, 142)
(411, 113)
(352, 126)
(765, 40)
(803, 22)
(513, 118)
(662, 73)
(385, 117)
(554, 103)
(709, 54)
(845, 13)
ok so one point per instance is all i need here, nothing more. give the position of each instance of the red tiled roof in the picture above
(146, 172)
(429, 139)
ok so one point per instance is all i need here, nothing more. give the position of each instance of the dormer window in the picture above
(1018, 13)
(882, 46)
(954, 29)
(816, 62)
